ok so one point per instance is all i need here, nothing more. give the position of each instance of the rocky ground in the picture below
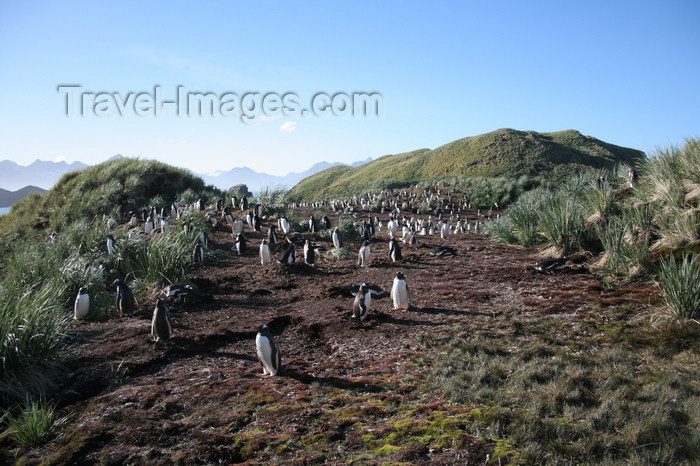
(349, 390)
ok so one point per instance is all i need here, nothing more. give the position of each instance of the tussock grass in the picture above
(679, 281)
(33, 421)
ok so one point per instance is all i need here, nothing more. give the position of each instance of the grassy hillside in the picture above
(501, 153)
(40, 277)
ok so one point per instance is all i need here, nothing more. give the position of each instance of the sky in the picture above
(625, 72)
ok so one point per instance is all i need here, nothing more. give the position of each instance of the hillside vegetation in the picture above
(501, 153)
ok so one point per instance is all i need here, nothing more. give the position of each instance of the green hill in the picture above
(501, 153)
(109, 189)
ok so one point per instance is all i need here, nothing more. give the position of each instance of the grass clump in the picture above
(34, 420)
(680, 283)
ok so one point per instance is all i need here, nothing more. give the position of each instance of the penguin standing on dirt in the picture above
(309, 253)
(360, 307)
(284, 225)
(394, 250)
(337, 238)
(265, 252)
(198, 254)
(239, 245)
(399, 293)
(272, 235)
(126, 303)
(237, 226)
(268, 353)
(289, 255)
(363, 255)
(82, 304)
(110, 245)
(161, 325)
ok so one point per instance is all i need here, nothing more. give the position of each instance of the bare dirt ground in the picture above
(199, 398)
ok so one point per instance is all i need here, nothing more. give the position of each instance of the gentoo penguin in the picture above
(165, 225)
(374, 290)
(326, 222)
(198, 254)
(363, 255)
(204, 239)
(549, 265)
(237, 226)
(110, 245)
(360, 307)
(239, 246)
(175, 290)
(284, 225)
(272, 235)
(309, 253)
(234, 202)
(257, 222)
(148, 228)
(265, 252)
(244, 203)
(249, 220)
(289, 255)
(161, 325)
(313, 227)
(399, 292)
(394, 250)
(268, 353)
(133, 221)
(125, 298)
(337, 238)
(444, 230)
(82, 304)
(392, 227)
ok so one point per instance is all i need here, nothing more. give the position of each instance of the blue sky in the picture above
(624, 72)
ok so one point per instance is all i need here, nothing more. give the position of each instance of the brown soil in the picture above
(199, 398)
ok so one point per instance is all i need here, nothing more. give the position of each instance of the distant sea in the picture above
(5, 210)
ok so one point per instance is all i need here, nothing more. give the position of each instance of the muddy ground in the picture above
(199, 398)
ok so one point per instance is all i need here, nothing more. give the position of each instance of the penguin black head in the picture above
(400, 276)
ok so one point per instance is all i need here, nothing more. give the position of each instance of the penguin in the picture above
(148, 228)
(337, 238)
(289, 255)
(177, 291)
(392, 227)
(133, 221)
(550, 265)
(272, 235)
(363, 255)
(309, 253)
(399, 293)
(82, 304)
(284, 225)
(161, 325)
(244, 203)
(204, 239)
(313, 226)
(267, 351)
(249, 220)
(444, 230)
(237, 226)
(198, 254)
(360, 307)
(165, 225)
(234, 202)
(326, 222)
(265, 252)
(110, 245)
(257, 210)
(374, 290)
(125, 298)
(444, 251)
(239, 246)
(394, 250)
(257, 222)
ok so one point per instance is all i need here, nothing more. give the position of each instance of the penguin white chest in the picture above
(399, 294)
(82, 306)
(267, 354)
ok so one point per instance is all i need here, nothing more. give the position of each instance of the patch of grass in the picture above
(680, 284)
(33, 421)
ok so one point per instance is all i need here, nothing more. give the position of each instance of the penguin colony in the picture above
(443, 221)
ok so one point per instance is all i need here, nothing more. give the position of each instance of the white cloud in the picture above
(289, 126)
(59, 159)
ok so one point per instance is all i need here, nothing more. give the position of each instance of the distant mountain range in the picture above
(42, 175)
